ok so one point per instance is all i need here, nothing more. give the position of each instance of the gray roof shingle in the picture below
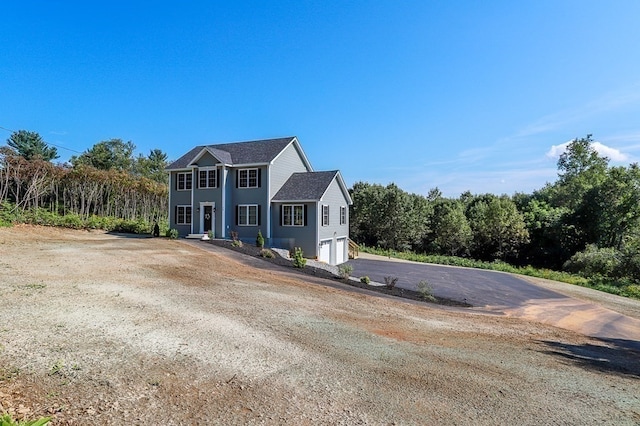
(250, 152)
(305, 186)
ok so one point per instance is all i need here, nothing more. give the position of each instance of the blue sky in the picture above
(459, 95)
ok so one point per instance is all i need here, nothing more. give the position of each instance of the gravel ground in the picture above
(108, 329)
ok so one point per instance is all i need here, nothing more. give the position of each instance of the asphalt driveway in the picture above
(509, 295)
(474, 286)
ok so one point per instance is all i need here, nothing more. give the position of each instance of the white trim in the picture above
(192, 201)
(223, 213)
(247, 165)
(184, 206)
(248, 178)
(239, 216)
(208, 169)
(342, 185)
(268, 207)
(294, 201)
(185, 181)
(200, 154)
(328, 215)
(204, 204)
(301, 153)
(292, 215)
(317, 229)
(340, 221)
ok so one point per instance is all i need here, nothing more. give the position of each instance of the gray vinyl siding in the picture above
(179, 198)
(241, 196)
(288, 237)
(288, 162)
(335, 198)
(207, 160)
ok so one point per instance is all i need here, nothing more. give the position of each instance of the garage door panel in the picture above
(325, 251)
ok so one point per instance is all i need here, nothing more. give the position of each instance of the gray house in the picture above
(267, 185)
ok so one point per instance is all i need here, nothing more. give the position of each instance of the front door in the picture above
(208, 218)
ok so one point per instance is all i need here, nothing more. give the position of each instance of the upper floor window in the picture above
(184, 181)
(207, 178)
(343, 215)
(325, 215)
(183, 215)
(293, 215)
(248, 178)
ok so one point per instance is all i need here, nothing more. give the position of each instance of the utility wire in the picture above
(48, 143)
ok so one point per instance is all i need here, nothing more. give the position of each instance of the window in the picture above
(247, 215)
(343, 215)
(325, 215)
(183, 215)
(184, 181)
(248, 178)
(293, 215)
(207, 178)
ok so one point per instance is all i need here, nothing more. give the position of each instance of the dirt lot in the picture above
(105, 329)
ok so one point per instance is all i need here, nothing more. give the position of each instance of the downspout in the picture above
(223, 213)
(193, 182)
(269, 202)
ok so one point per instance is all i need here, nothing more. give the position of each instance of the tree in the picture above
(152, 167)
(580, 168)
(113, 154)
(498, 228)
(31, 146)
(450, 228)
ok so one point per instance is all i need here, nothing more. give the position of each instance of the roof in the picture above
(250, 152)
(305, 186)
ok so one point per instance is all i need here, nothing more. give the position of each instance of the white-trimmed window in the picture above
(293, 215)
(248, 215)
(343, 215)
(248, 178)
(207, 178)
(183, 215)
(184, 181)
(325, 215)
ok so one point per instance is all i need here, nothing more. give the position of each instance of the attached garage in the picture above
(325, 251)
(341, 252)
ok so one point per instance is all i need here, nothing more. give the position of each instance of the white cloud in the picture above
(602, 149)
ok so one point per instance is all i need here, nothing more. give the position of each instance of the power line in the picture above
(48, 143)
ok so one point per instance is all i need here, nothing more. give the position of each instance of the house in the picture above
(266, 185)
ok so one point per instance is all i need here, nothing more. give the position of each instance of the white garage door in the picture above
(325, 251)
(340, 251)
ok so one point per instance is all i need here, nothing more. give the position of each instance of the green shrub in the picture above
(595, 261)
(426, 291)
(632, 290)
(299, 260)
(259, 240)
(7, 214)
(267, 253)
(73, 221)
(236, 243)
(172, 233)
(345, 270)
(6, 420)
(210, 234)
(365, 280)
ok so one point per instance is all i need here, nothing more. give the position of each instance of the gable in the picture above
(307, 186)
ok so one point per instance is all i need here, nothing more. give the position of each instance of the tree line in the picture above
(106, 180)
(588, 221)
